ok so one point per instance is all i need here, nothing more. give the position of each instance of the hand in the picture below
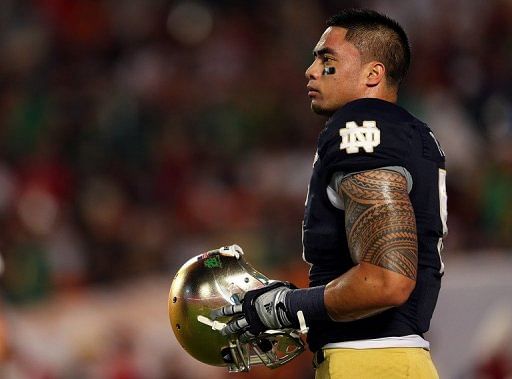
(260, 310)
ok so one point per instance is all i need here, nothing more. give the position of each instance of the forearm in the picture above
(362, 291)
(365, 290)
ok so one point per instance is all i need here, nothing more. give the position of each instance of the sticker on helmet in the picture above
(213, 262)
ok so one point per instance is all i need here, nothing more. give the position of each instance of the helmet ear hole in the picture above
(265, 345)
(226, 355)
(178, 326)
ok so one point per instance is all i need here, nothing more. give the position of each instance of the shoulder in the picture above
(359, 111)
(367, 134)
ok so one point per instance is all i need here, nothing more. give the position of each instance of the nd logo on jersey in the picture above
(355, 137)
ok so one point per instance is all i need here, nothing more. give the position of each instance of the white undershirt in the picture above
(412, 340)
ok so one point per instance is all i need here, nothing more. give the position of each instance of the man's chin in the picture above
(321, 110)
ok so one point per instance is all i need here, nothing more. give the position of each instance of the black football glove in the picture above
(260, 310)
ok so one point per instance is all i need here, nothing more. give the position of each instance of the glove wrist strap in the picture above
(308, 300)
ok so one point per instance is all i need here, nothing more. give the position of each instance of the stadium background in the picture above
(135, 134)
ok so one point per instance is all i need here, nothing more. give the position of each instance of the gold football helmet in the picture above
(212, 280)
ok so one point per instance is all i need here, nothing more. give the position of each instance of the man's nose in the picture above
(312, 71)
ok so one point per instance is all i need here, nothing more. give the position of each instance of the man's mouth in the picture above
(312, 91)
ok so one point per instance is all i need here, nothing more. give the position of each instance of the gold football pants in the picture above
(386, 363)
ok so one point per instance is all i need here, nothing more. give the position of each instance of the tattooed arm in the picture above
(381, 233)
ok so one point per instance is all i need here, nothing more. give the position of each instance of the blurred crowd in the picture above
(136, 134)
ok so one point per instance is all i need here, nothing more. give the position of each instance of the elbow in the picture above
(398, 292)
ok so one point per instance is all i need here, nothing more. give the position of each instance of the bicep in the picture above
(380, 222)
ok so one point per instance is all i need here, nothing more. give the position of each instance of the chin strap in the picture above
(215, 325)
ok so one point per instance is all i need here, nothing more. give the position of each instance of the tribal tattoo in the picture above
(380, 222)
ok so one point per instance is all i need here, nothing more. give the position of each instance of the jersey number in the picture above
(443, 212)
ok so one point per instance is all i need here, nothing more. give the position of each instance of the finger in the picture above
(235, 326)
(228, 310)
(246, 336)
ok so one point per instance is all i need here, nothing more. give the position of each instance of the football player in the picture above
(374, 219)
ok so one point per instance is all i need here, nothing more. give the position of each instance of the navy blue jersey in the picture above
(363, 135)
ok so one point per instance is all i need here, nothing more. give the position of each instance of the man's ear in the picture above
(375, 73)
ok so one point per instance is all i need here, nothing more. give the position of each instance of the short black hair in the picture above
(377, 37)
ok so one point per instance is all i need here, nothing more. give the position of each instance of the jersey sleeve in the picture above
(360, 142)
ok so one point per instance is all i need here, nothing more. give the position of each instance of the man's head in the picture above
(366, 54)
